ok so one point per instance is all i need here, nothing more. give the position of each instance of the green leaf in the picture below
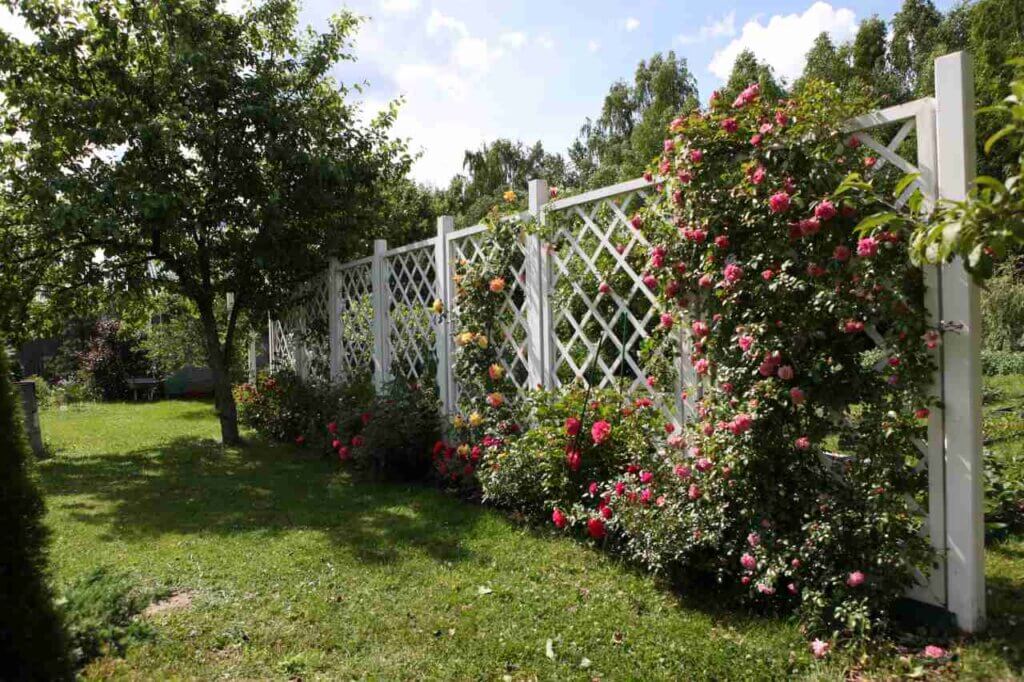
(874, 221)
(998, 135)
(904, 182)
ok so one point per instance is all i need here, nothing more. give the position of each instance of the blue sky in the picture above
(475, 70)
(534, 70)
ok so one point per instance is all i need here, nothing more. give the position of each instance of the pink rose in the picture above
(600, 431)
(572, 460)
(746, 342)
(797, 396)
(706, 281)
(646, 477)
(604, 287)
(572, 426)
(825, 211)
(757, 175)
(820, 648)
(867, 247)
(696, 155)
(669, 145)
(704, 465)
(853, 326)
(855, 579)
(732, 273)
(802, 443)
(701, 366)
(722, 241)
(841, 253)
(683, 471)
(779, 202)
(694, 492)
(932, 651)
(785, 372)
(651, 282)
(700, 329)
(666, 320)
(729, 125)
(595, 527)
(558, 518)
(753, 539)
(748, 562)
(332, 428)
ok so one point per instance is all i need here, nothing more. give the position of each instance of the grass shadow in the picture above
(193, 485)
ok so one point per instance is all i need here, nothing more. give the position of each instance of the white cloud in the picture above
(474, 54)
(398, 6)
(631, 24)
(593, 46)
(714, 28)
(784, 40)
(16, 26)
(412, 78)
(546, 42)
(438, 22)
(513, 39)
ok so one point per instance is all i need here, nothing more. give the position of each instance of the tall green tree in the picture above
(914, 35)
(192, 149)
(747, 70)
(826, 62)
(620, 143)
(33, 644)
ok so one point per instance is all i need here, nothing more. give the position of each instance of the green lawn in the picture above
(298, 570)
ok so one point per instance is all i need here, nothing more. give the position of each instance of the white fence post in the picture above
(381, 305)
(536, 285)
(334, 329)
(442, 328)
(271, 346)
(965, 530)
(252, 357)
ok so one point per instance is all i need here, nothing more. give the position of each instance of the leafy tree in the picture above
(492, 170)
(746, 70)
(914, 34)
(827, 63)
(197, 151)
(32, 640)
(621, 142)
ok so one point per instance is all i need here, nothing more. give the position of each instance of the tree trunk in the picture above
(219, 361)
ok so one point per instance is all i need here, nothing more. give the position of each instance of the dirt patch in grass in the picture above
(176, 602)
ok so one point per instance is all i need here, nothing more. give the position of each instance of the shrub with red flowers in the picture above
(578, 440)
(797, 471)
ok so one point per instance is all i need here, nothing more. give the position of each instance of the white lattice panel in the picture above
(354, 287)
(596, 336)
(412, 288)
(473, 245)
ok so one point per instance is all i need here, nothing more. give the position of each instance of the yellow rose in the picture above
(497, 285)
(495, 399)
(464, 450)
(464, 339)
(496, 372)
(459, 421)
(481, 341)
(509, 196)
(475, 419)
(438, 306)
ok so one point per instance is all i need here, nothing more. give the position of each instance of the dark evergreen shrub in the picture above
(33, 644)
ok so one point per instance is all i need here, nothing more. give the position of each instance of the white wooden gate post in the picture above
(537, 278)
(442, 330)
(334, 330)
(381, 304)
(961, 313)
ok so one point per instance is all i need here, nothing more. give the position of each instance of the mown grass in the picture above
(296, 569)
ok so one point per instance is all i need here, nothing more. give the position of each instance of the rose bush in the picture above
(797, 471)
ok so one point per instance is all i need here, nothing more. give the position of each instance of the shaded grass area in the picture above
(294, 568)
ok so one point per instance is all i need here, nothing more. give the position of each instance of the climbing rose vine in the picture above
(792, 482)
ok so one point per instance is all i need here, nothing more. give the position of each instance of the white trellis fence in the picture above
(373, 316)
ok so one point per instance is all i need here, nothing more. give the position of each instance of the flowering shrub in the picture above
(282, 407)
(488, 409)
(577, 441)
(793, 481)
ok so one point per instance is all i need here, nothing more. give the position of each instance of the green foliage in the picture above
(204, 152)
(622, 140)
(1004, 449)
(282, 407)
(1002, 310)
(101, 611)
(398, 429)
(998, 363)
(112, 357)
(746, 70)
(33, 644)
